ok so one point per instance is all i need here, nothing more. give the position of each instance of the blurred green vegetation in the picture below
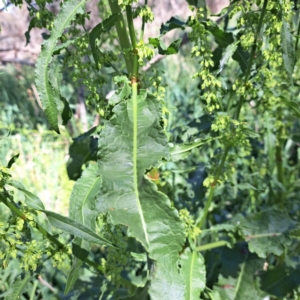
(41, 166)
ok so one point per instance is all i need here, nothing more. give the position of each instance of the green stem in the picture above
(32, 295)
(211, 246)
(135, 68)
(280, 171)
(252, 55)
(225, 243)
(11, 205)
(262, 235)
(122, 33)
(297, 37)
(237, 115)
(143, 25)
(212, 189)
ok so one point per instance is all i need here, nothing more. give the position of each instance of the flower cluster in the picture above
(202, 51)
(144, 12)
(124, 3)
(233, 133)
(191, 230)
(117, 258)
(144, 51)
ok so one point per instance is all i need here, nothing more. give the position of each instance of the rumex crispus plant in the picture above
(153, 215)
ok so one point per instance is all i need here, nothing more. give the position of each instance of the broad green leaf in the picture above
(132, 142)
(288, 49)
(82, 209)
(193, 271)
(266, 231)
(104, 26)
(31, 200)
(280, 281)
(242, 285)
(181, 151)
(19, 287)
(78, 230)
(227, 54)
(45, 90)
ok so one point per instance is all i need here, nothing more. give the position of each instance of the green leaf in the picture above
(173, 48)
(132, 142)
(222, 38)
(67, 111)
(45, 90)
(19, 287)
(173, 23)
(82, 209)
(104, 26)
(31, 200)
(13, 160)
(293, 105)
(280, 281)
(242, 57)
(32, 24)
(288, 49)
(78, 230)
(123, 92)
(83, 149)
(193, 272)
(237, 274)
(266, 231)
(181, 151)
(227, 54)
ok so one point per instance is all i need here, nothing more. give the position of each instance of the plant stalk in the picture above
(135, 69)
(212, 189)
(297, 37)
(211, 246)
(280, 171)
(143, 25)
(122, 33)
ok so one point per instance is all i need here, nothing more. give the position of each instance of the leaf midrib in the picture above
(135, 166)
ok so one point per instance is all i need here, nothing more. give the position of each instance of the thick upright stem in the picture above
(143, 25)
(135, 68)
(122, 33)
